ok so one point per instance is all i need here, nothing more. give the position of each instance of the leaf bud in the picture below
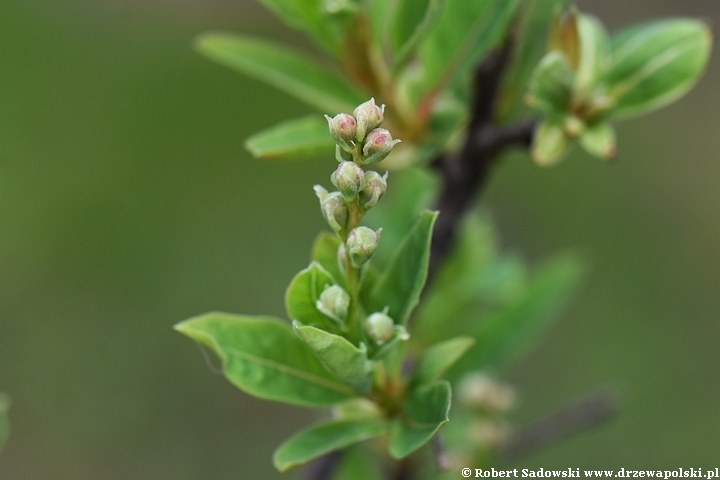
(378, 145)
(333, 207)
(349, 178)
(375, 186)
(342, 128)
(368, 116)
(334, 302)
(361, 244)
(380, 327)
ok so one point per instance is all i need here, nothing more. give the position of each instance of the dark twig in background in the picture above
(323, 467)
(572, 419)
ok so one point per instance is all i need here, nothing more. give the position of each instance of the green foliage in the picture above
(303, 294)
(4, 422)
(324, 438)
(434, 361)
(303, 136)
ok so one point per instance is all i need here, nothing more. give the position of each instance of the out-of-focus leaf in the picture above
(340, 357)
(263, 357)
(551, 84)
(4, 422)
(531, 46)
(357, 464)
(509, 332)
(292, 138)
(324, 438)
(314, 18)
(283, 68)
(550, 143)
(564, 37)
(303, 293)
(594, 54)
(656, 63)
(413, 21)
(325, 252)
(599, 140)
(399, 286)
(424, 412)
(437, 359)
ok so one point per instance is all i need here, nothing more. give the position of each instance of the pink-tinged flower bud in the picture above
(368, 116)
(378, 145)
(375, 186)
(343, 128)
(361, 244)
(334, 208)
(334, 302)
(380, 327)
(349, 178)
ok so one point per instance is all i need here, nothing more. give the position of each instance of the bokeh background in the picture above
(127, 203)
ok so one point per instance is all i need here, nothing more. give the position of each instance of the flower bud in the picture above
(333, 207)
(480, 390)
(375, 186)
(334, 302)
(361, 244)
(380, 327)
(349, 178)
(378, 145)
(368, 116)
(342, 128)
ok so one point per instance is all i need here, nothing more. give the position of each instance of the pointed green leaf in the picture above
(401, 283)
(594, 52)
(4, 422)
(530, 48)
(263, 357)
(324, 438)
(358, 464)
(550, 143)
(424, 412)
(509, 332)
(325, 252)
(437, 359)
(599, 140)
(413, 21)
(343, 359)
(303, 293)
(283, 68)
(302, 136)
(656, 63)
(551, 84)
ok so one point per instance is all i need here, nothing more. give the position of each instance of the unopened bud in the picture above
(333, 207)
(361, 244)
(349, 178)
(380, 327)
(482, 391)
(375, 186)
(368, 116)
(342, 128)
(334, 302)
(378, 145)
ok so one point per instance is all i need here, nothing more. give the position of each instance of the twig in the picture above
(572, 419)
(442, 460)
(323, 467)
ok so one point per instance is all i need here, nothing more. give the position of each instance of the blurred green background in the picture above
(127, 203)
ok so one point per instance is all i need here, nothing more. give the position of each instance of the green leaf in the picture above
(413, 20)
(325, 252)
(283, 68)
(424, 412)
(302, 136)
(656, 63)
(401, 283)
(509, 332)
(594, 52)
(4, 422)
(263, 357)
(551, 84)
(313, 18)
(343, 359)
(599, 140)
(437, 359)
(550, 143)
(358, 464)
(324, 438)
(303, 293)
(531, 46)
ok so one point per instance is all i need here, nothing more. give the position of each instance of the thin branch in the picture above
(442, 461)
(323, 467)
(577, 417)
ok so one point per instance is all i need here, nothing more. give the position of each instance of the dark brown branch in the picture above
(577, 417)
(464, 173)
